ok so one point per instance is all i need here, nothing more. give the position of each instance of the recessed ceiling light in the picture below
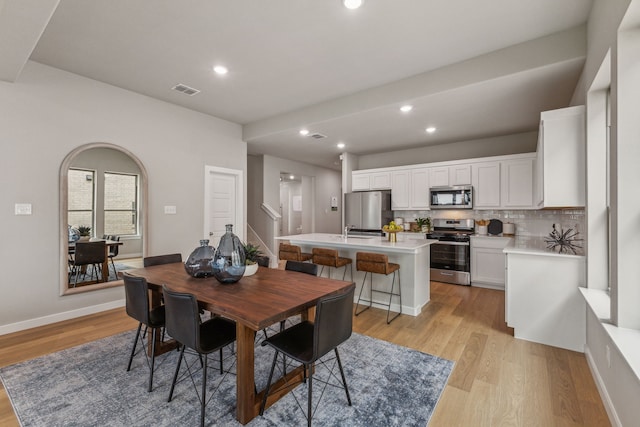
(430, 129)
(341, 145)
(406, 108)
(291, 177)
(220, 70)
(304, 132)
(352, 4)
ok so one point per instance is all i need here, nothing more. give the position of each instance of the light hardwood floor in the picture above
(497, 380)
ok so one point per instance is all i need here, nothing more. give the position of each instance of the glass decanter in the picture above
(200, 262)
(229, 260)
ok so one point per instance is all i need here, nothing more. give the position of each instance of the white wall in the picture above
(619, 384)
(326, 183)
(46, 114)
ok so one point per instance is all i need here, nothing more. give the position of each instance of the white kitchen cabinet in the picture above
(439, 176)
(460, 174)
(542, 300)
(410, 189)
(488, 261)
(450, 175)
(364, 180)
(486, 185)
(517, 184)
(400, 190)
(419, 189)
(560, 160)
(359, 181)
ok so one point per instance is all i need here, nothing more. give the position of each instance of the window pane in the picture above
(80, 197)
(120, 204)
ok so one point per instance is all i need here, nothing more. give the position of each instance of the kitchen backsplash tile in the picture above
(528, 222)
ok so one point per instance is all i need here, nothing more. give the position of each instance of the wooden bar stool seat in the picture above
(372, 263)
(288, 252)
(326, 257)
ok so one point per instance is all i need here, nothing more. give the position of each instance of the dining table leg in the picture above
(245, 379)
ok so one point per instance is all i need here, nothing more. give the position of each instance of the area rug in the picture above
(88, 385)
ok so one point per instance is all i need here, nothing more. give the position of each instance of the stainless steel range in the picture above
(451, 256)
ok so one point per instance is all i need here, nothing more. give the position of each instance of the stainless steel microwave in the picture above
(456, 197)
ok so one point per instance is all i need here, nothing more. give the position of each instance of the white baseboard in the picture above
(58, 317)
(606, 400)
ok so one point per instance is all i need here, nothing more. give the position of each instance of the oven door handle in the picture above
(444, 273)
(441, 242)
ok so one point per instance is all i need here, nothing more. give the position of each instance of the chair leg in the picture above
(175, 376)
(309, 400)
(344, 380)
(221, 361)
(153, 356)
(135, 343)
(364, 281)
(266, 391)
(393, 282)
(203, 403)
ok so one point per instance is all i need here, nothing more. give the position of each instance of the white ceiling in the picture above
(472, 69)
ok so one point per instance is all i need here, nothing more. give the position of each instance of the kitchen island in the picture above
(412, 255)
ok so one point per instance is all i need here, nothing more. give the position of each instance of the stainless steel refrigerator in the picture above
(367, 211)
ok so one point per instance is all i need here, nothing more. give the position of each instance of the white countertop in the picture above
(359, 242)
(530, 245)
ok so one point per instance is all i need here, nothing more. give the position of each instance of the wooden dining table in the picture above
(254, 303)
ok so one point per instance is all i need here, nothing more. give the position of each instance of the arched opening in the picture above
(70, 161)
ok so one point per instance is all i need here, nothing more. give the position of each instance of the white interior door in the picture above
(224, 196)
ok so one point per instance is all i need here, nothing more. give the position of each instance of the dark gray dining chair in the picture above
(308, 342)
(113, 252)
(185, 326)
(87, 255)
(137, 306)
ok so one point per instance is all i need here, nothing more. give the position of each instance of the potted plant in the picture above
(85, 232)
(251, 253)
(424, 224)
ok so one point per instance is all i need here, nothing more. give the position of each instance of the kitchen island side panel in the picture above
(544, 302)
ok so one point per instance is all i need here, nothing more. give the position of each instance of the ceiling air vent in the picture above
(317, 136)
(185, 89)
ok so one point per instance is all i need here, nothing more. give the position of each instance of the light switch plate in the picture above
(170, 210)
(23, 208)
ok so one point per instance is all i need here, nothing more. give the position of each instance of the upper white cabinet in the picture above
(486, 185)
(420, 188)
(460, 174)
(517, 184)
(410, 189)
(450, 175)
(439, 177)
(364, 180)
(560, 160)
(400, 189)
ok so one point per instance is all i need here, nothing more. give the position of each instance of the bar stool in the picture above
(377, 263)
(326, 257)
(289, 252)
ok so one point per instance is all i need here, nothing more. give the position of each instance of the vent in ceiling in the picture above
(185, 89)
(317, 136)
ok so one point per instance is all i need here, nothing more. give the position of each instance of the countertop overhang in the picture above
(359, 242)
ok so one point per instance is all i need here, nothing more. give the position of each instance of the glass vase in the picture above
(200, 262)
(228, 263)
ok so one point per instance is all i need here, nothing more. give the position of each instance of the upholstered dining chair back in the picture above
(333, 323)
(161, 259)
(89, 253)
(136, 292)
(183, 318)
(302, 267)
